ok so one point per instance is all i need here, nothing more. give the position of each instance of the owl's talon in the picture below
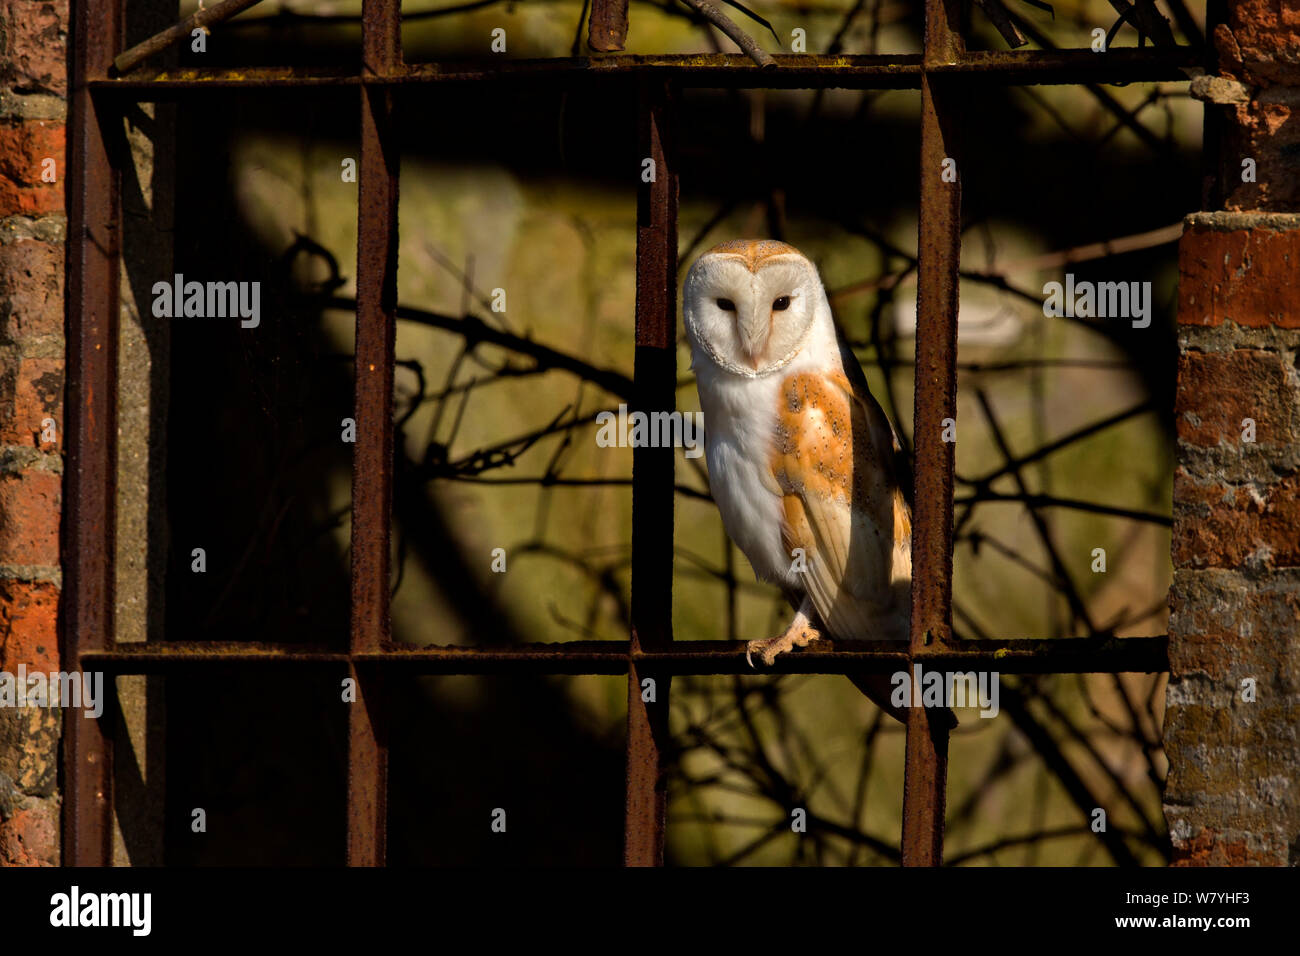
(794, 636)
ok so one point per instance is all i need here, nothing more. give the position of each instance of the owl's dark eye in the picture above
(781, 304)
(726, 305)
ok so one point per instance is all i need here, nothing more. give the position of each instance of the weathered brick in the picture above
(1230, 797)
(1265, 133)
(31, 836)
(24, 146)
(1231, 625)
(1218, 390)
(1246, 276)
(29, 612)
(31, 290)
(33, 84)
(31, 391)
(1259, 46)
(1243, 774)
(1221, 525)
(30, 503)
(1212, 846)
(34, 46)
(1260, 41)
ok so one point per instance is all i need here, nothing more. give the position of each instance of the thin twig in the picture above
(129, 60)
(747, 43)
(997, 15)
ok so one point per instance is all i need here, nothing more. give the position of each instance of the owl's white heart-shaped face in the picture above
(748, 305)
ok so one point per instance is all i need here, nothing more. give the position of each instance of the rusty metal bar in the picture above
(654, 389)
(94, 237)
(1075, 655)
(163, 656)
(607, 28)
(381, 39)
(372, 460)
(719, 71)
(939, 254)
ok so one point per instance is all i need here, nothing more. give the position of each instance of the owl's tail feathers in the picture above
(879, 690)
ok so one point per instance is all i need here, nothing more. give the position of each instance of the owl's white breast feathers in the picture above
(737, 446)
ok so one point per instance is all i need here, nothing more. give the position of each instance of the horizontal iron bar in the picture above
(168, 654)
(718, 70)
(1073, 655)
(1054, 67)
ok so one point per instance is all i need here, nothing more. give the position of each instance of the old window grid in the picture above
(945, 73)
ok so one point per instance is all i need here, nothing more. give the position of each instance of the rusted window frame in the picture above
(943, 72)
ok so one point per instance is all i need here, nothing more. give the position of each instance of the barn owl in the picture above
(803, 463)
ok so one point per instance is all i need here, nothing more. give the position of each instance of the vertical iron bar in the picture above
(939, 251)
(372, 460)
(652, 478)
(607, 29)
(93, 264)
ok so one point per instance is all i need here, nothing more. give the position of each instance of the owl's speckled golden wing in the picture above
(834, 463)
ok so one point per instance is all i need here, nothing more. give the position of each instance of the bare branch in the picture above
(997, 15)
(129, 60)
(748, 44)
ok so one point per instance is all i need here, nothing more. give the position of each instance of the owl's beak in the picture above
(753, 328)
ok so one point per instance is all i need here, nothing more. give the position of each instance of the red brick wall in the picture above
(33, 87)
(1233, 795)
(1259, 48)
